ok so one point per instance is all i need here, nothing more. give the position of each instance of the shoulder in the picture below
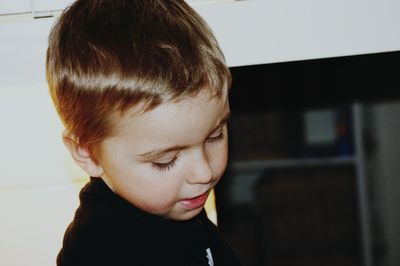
(87, 240)
(100, 235)
(101, 242)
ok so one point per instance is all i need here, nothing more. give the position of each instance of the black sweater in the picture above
(109, 231)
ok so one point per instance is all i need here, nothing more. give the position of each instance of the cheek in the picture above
(132, 179)
(156, 182)
(153, 192)
(219, 159)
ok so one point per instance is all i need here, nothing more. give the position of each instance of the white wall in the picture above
(25, 6)
(261, 31)
(37, 197)
(250, 32)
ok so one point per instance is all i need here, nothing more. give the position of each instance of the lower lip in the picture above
(196, 202)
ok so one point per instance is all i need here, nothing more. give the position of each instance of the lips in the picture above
(196, 202)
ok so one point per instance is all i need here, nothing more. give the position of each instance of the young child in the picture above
(141, 87)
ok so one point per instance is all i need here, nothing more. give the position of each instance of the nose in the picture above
(201, 170)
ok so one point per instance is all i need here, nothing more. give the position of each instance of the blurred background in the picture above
(314, 171)
(314, 168)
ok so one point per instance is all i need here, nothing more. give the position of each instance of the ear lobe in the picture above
(82, 156)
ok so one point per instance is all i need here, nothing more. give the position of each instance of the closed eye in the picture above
(163, 167)
(214, 139)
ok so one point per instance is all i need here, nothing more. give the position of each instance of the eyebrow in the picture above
(151, 155)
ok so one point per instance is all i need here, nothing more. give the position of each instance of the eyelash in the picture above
(163, 167)
(216, 138)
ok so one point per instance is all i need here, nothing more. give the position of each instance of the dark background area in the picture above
(316, 83)
(300, 214)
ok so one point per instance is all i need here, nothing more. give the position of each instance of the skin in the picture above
(167, 160)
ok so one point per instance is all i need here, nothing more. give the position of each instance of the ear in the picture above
(82, 156)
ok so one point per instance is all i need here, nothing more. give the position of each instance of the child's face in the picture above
(167, 160)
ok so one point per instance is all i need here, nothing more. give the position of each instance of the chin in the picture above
(187, 215)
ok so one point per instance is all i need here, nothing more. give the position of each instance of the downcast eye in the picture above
(217, 138)
(162, 167)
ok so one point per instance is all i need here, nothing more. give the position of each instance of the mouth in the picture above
(195, 202)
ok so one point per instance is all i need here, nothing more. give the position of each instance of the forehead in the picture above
(185, 122)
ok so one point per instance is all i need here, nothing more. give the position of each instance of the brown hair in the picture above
(106, 56)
